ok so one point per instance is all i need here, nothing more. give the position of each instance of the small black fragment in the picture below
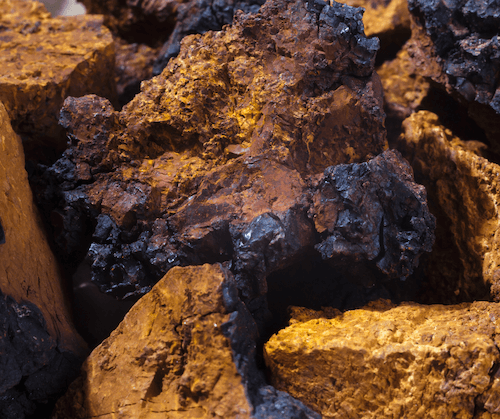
(2, 233)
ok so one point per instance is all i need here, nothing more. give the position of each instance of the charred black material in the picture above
(466, 37)
(2, 234)
(33, 371)
(200, 16)
(373, 212)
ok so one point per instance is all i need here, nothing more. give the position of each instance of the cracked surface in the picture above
(457, 45)
(464, 195)
(185, 350)
(409, 361)
(43, 60)
(233, 128)
(164, 23)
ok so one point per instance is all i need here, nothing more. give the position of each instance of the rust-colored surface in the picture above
(43, 60)
(408, 361)
(134, 63)
(404, 87)
(29, 270)
(464, 191)
(183, 351)
(234, 128)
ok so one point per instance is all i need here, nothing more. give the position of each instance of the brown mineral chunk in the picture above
(410, 361)
(464, 192)
(457, 45)
(228, 135)
(185, 350)
(134, 63)
(29, 270)
(404, 87)
(164, 23)
(40, 349)
(44, 59)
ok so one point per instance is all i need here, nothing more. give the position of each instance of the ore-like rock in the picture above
(457, 45)
(389, 20)
(404, 88)
(167, 22)
(409, 361)
(373, 212)
(134, 63)
(43, 60)
(40, 350)
(28, 268)
(34, 370)
(211, 161)
(464, 193)
(187, 348)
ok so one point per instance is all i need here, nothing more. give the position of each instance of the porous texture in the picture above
(39, 346)
(374, 213)
(463, 193)
(389, 20)
(134, 63)
(457, 45)
(410, 361)
(222, 143)
(43, 60)
(164, 23)
(35, 370)
(185, 350)
(404, 88)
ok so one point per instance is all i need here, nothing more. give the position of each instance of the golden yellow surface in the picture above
(44, 59)
(411, 361)
(466, 186)
(29, 270)
(168, 358)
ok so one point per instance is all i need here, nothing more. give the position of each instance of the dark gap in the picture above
(390, 45)
(314, 283)
(452, 115)
(95, 313)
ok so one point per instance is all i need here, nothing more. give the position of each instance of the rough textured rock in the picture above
(185, 350)
(387, 20)
(463, 193)
(213, 158)
(410, 361)
(35, 371)
(134, 63)
(404, 88)
(28, 270)
(44, 59)
(457, 45)
(373, 212)
(39, 347)
(167, 22)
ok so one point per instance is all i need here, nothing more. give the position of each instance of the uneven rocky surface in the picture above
(463, 192)
(224, 140)
(166, 22)
(35, 369)
(389, 20)
(409, 361)
(185, 350)
(457, 45)
(40, 349)
(404, 88)
(134, 63)
(43, 60)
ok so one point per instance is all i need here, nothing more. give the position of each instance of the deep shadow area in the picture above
(314, 283)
